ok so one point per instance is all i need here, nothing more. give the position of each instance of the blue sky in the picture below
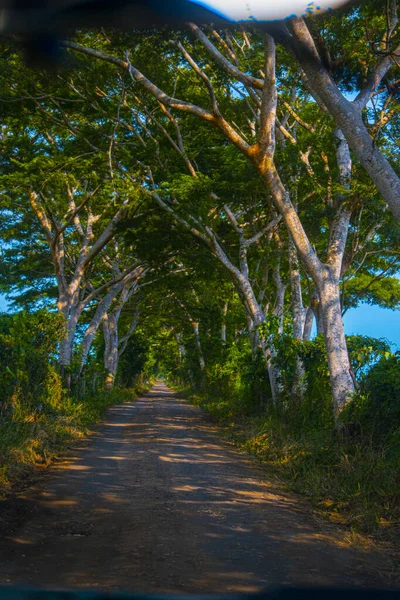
(364, 320)
(374, 321)
(3, 304)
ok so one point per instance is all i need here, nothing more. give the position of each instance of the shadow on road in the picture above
(156, 502)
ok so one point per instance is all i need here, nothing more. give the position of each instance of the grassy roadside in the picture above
(348, 481)
(30, 440)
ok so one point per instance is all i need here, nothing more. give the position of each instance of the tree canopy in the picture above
(214, 195)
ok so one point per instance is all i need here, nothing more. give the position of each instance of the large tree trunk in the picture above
(342, 385)
(335, 341)
(67, 344)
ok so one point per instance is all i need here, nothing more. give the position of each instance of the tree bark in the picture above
(297, 294)
(180, 344)
(335, 341)
(223, 326)
(94, 325)
(298, 388)
(67, 343)
(200, 355)
(110, 330)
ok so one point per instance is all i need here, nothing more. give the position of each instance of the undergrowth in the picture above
(31, 438)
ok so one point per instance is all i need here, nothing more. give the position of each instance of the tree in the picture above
(261, 154)
(250, 169)
(375, 73)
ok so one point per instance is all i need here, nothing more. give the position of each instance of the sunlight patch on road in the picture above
(112, 498)
(59, 503)
(75, 467)
(22, 541)
(127, 424)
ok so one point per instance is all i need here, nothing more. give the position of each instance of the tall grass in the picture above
(348, 476)
(31, 439)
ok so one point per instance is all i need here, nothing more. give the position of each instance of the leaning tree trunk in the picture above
(256, 317)
(347, 114)
(94, 324)
(110, 329)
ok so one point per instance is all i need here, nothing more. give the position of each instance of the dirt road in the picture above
(157, 502)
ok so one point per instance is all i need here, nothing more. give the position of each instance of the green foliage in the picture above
(370, 289)
(28, 344)
(376, 409)
(135, 361)
(365, 351)
(239, 380)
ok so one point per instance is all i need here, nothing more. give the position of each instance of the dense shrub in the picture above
(377, 407)
(28, 344)
(133, 362)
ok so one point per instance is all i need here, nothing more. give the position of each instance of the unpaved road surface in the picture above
(156, 502)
